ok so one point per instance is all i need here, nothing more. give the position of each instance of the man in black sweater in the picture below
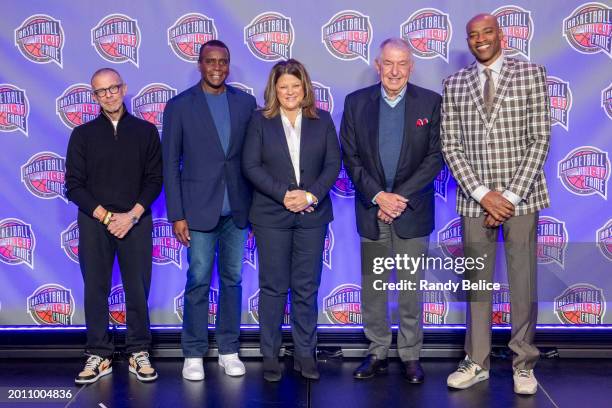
(113, 174)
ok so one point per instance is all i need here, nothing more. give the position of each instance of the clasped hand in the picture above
(497, 209)
(120, 224)
(296, 201)
(390, 206)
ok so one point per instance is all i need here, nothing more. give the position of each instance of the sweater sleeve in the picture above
(76, 174)
(152, 177)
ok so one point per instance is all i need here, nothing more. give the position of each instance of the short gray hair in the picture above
(395, 42)
(105, 70)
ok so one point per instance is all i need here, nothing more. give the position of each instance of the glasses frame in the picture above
(102, 92)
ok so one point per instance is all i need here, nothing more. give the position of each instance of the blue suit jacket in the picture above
(419, 162)
(196, 169)
(267, 164)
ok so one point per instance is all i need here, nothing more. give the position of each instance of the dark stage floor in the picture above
(584, 383)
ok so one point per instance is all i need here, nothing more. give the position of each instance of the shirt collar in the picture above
(287, 122)
(397, 99)
(495, 66)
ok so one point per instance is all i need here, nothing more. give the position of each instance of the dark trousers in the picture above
(97, 251)
(289, 258)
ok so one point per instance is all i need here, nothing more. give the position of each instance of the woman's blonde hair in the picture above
(295, 68)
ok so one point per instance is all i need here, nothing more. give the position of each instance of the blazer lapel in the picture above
(277, 125)
(411, 102)
(505, 76)
(203, 117)
(371, 116)
(476, 92)
(232, 102)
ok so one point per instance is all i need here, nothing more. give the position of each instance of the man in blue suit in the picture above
(208, 201)
(390, 137)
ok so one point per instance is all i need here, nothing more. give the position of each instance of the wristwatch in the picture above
(134, 220)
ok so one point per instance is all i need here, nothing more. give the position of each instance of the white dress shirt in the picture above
(495, 68)
(293, 136)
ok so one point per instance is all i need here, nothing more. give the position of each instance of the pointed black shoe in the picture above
(307, 366)
(272, 369)
(370, 367)
(413, 371)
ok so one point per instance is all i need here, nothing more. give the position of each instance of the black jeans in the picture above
(97, 251)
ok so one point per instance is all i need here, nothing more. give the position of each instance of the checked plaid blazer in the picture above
(503, 151)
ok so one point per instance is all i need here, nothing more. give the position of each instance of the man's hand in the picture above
(120, 224)
(393, 205)
(490, 222)
(497, 206)
(296, 201)
(384, 217)
(181, 231)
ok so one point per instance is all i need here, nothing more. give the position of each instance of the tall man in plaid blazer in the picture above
(495, 138)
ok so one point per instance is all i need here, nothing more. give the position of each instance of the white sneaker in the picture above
(193, 369)
(525, 382)
(232, 364)
(468, 373)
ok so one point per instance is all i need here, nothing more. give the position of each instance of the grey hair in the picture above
(395, 42)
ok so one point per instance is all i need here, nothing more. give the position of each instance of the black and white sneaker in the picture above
(95, 367)
(141, 366)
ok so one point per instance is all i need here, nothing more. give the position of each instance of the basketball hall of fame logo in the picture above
(429, 32)
(517, 26)
(150, 102)
(116, 39)
(242, 87)
(213, 305)
(188, 33)
(441, 183)
(501, 305)
(254, 308)
(560, 96)
(328, 247)
(167, 248)
(250, 249)
(69, 241)
(581, 303)
(585, 171)
(552, 241)
(450, 238)
(40, 38)
(603, 237)
(323, 97)
(435, 307)
(116, 305)
(269, 36)
(44, 175)
(606, 101)
(17, 242)
(14, 109)
(588, 29)
(76, 105)
(51, 304)
(343, 187)
(343, 304)
(348, 35)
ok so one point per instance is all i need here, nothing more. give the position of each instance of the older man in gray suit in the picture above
(495, 138)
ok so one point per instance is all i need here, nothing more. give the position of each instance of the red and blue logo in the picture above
(440, 183)
(69, 240)
(552, 241)
(167, 248)
(328, 247)
(343, 304)
(116, 305)
(116, 39)
(585, 171)
(269, 36)
(254, 308)
(52, 305)
(435, 307)
(14, 109)
(323, 97)
(588, 29)
(76, 105)
(606, 101)
(517, 26)
(250, 250)
(40, 38)
(348, 36)
(560, 96)
(581, 303)
(501, 305)
(188, 33)
(343, 187)
(242, 87)
(429, 32)
(150, 102)
(450, 238)
(603, 237)
(17, 242)
(44, 175)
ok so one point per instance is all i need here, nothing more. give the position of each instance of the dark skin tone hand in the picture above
(181, 230)
(496, 206)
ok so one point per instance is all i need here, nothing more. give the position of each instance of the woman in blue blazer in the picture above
(291, 156)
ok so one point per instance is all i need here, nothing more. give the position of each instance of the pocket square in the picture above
(422, 122)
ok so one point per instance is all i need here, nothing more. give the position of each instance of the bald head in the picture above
(484, 38)
(483, 17)
(106, 71)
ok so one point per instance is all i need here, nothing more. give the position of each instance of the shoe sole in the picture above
(377, 372)
(231, 375)
(528, 392)
(467, 384)
(96, 378)
(143, 379)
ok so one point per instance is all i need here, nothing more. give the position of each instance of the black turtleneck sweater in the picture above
(114, 168)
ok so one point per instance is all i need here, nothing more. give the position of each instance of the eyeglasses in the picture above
(113, 89)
